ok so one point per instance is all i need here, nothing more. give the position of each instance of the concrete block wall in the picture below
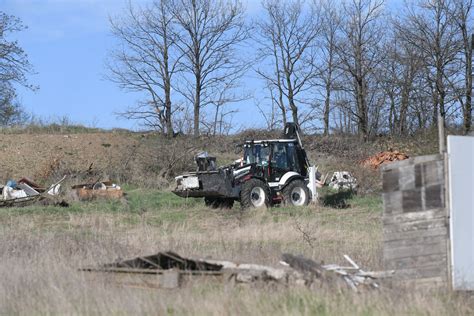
(415, 220)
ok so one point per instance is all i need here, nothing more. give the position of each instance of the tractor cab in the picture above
(274, 158)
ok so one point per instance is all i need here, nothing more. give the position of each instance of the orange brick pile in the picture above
(384, 157)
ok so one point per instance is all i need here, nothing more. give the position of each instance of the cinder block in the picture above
(390, 180)
(418, 176)
(406, 178)
(412, 201)
(433, 173)
(434, 197)
(393, 203)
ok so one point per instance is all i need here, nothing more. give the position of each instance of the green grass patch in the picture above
(349, 199)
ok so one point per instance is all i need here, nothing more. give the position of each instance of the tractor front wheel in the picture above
(296, 193)
(254, 194)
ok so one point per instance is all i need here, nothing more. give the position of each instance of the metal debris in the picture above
(26, 192)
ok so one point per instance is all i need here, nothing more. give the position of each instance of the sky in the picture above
(67, 42)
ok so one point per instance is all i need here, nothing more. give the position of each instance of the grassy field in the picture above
(42, 247)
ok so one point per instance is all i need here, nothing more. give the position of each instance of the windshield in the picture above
(284, 156)
(257, 154)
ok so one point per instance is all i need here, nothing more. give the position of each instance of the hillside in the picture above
(151, 160)
(37, 156)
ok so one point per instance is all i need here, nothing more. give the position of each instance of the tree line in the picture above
(14, 68)
(352, 66)
(355, 66)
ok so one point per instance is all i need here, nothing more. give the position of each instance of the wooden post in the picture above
(441, 136)
(448, 220)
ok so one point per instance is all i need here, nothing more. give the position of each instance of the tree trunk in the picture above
(291, 101)
(169, 123)
(404, 109)
(392, 120)
(294, 113)
(197, 105)
(327, 101)
(326, 110)
(362, 110)
(216, 118)
(467, 115)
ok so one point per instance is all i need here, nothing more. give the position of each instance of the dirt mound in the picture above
(383, 157)
(37, 156)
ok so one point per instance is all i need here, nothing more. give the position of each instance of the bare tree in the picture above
(327, 73)
(274, 80)
(429, 28)
(225, 96)
(270, 116)
(146, 61)
(11, 111)
(14, 64)
(14, 68)
(400, 78)
(288, 36)
(208, 36)
(360, 54)
(460, 12)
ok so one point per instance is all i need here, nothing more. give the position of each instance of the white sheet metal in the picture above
(28, 190)
(461, 189)
(191, 183)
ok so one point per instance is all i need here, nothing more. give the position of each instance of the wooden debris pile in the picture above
(353, 276)
(384, 157)
(91, 191)
(169, 270)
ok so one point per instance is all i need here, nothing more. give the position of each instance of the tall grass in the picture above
(42, 248)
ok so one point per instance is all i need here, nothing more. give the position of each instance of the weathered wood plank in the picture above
(426, 272)
(416, 262)
(415, 226)
(433, 231)
(414, 216)
(415, 250)
(422, 240)
(422, 283)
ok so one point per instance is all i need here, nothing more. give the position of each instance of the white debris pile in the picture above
(343, 180)
(26, 188)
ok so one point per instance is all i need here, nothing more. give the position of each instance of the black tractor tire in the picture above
(296, 193)
(216, 203)
(255, 194)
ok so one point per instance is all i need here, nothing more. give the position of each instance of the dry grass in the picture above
(150, 160)
(42, 248)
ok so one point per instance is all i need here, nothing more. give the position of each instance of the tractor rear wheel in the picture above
(254, 194)
(216, 203)
(296, 193)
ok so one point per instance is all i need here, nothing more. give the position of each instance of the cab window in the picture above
(284, 156)
(257, 154)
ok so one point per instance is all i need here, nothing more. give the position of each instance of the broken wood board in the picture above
(85, 194)
(169, 270)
